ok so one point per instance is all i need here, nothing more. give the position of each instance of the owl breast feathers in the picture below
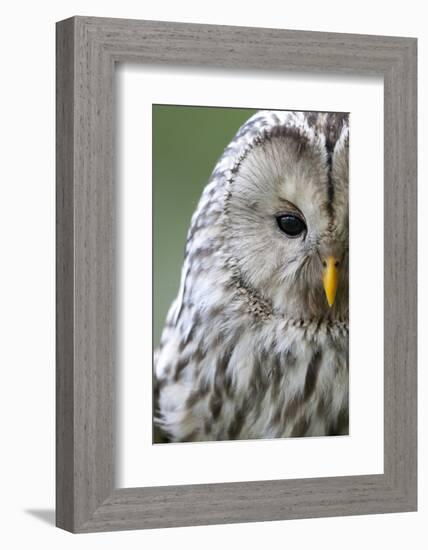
(256, 343)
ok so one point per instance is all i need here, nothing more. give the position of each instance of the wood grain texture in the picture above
(87, 50)
(64, 278)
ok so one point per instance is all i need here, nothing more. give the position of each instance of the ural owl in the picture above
(256, 343)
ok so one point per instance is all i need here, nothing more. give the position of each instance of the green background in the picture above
(187, 142)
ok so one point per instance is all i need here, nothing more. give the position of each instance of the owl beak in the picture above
(330, 278)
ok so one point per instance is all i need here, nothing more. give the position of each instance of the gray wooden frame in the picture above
(87, 50)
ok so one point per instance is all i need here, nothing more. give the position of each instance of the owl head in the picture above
(272, 223)
(281, 194)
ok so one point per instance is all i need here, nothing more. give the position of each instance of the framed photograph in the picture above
(236, 274)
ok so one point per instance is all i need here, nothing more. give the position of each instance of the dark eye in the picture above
(291, 225)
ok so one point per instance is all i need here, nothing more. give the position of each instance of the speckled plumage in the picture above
(251, 348)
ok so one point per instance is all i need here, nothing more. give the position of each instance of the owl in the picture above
(255, 344)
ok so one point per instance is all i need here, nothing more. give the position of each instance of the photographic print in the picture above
(250, 276)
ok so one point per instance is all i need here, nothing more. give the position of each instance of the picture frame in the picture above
(87, 51)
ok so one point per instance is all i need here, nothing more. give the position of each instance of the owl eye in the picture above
(291, 225)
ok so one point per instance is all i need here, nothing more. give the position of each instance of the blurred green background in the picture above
(187, 142)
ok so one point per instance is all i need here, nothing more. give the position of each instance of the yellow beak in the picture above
(331, 279)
